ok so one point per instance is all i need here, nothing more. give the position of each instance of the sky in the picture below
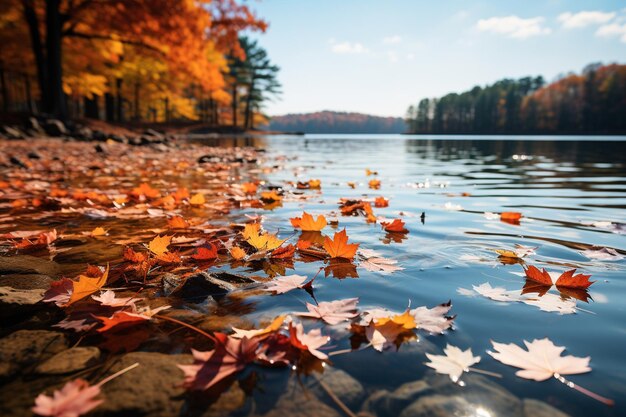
(378, 57)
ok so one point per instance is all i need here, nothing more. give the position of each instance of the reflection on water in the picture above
(572, 194)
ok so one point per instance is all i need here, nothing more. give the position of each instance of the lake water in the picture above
(572, 194)
(570, 190)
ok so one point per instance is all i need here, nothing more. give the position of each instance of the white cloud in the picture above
(392, 39)
(348, 48)
(514, 26)
(393, 56)
(585, 18)
(613, 30)
(410, 56)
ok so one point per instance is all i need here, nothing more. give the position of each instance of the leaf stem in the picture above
(182, 323)
(118, 373)
(480, 371)
(597, 397)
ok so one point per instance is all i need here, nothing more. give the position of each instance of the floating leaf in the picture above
(338, 247)
(453, 363)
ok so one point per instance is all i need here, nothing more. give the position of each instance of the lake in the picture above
(572, 194)
(448, 190)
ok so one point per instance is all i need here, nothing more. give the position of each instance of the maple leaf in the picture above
(374, 262)
(120, 319)
(135, 257)
(338, 247)
(332, 312)
(374, 184)
(281, 285)
(270, 197)
(315, 184)
(434, 319)
(86, 286)
(75, 398)
(145, 191)
(249, 188)
(177, 222)
(283, 252)
(229, 356)
(59, 292)
(381, 202)
(453, 363)
(107, 298)
(307, 224)
(273, 327)
(512, 217)
(204, 253)
(567, 279)
(396, 226)
(98, 231)
(197, 200)
(602, 254)
(310, 341)
(541, 361)
(237, 253)
(519, 252)
(159, 245)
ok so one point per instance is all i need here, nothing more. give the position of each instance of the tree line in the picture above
(593, 102)
(336, 122)
(122, 60)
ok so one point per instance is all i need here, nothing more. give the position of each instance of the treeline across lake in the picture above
(593, 102)
(337, 122)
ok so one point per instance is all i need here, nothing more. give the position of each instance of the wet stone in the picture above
(387, 403)
(345, 387)
(24, 348)
(440, 406)
(535, 408)
(300, 402)
(26, 281)
(70, 360)
(15, 302)
(200, 286)
(26, 264)
(152, 389)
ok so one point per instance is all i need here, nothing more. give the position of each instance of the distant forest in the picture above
(593, 102)
(337, 122)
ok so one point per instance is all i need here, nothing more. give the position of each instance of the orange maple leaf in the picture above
(283, 252)
(307, 224)
(86, 286)
(567, 279)
(381, 202)
(177, 222)
(270, 196)
(203, 253)
(120, 319)
(510, 217)
(249, 188)
(237, 253)
(315, 184)
(132, 256)
(338, 247)
(396, 226)
(145, 190)
(374, 184)
(197, 200)
(159, 245)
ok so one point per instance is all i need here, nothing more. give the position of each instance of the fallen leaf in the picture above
(338, 247)
(108, 298)
(307, 224)
(541, 361)
(453, 363)
(332, 312)
(76, 397)
(512, 217)
(566, 279)
(86, 286)
(177, 222)
(281, 285)
(310, 341)
(237, 253)
(159, 245)
(602, 254)
(197, 200)
(396, 226)
(273, 327)
(205, 253)
(381, 202)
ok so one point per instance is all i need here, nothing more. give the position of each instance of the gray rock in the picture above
(385, 403)
(26, 264)
(26, 281)
(12, 132)
(200, 286)
(54, 127)
(440, 406)
(24, 348)
(33, 124)
(154, 388)
(84, 133)
(534, 408)
(70, 360)
(300, 402)
(17, 302)
(345, 387)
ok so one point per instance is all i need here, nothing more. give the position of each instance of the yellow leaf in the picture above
(159, 245)
(237, 253)
(404, 320)
(197, 200)
(86, 286)
(98, 231)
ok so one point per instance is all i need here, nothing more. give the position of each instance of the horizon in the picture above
(423, 45)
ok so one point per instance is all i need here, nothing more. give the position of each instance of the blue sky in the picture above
(378, 57)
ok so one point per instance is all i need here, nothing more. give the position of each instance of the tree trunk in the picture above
(119, 114)
(167, 109)
(92, 110)
(29, 95)
(234, 105)
(56, 99)
(248, 121)
(35, 41)
(137, 112)
(109, 107)
(4, 89)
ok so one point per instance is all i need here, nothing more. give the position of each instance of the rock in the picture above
(26, 281)
(54, 127)
(299, 402)
(153, 133)
(16, 161)
(118, 138)
(200, 286)
(84, 133)
(152, 389)
(12, 132)
(99, 135)
(26, 264)
(33, 155)
(534, 408)
(99, 148)
(27, 347)
(33, 124)
(345, 387)
(15, 302)
(384, 403)
(70, 360)
(208, 158)
(440, 406)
